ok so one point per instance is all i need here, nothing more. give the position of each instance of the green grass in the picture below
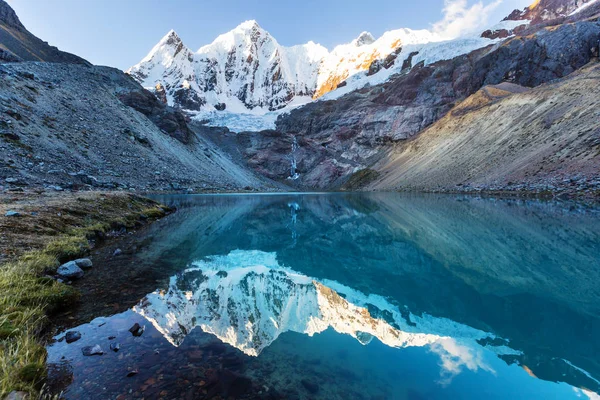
(27, 296)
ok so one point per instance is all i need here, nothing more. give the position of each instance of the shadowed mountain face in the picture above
(18, 44)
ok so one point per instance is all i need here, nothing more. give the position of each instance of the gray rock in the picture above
(84, 263)
(12, 213)
(56, 188)
(11, 180)
(72, 336)
(115, 347)
(70, 270)
(92, 350)
(117, 252)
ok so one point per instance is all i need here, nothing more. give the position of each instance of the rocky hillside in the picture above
(75, 126)
(18, 44)
(340, 137)
(506, 137)
(66, 124)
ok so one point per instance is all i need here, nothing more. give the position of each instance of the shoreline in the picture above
(39, 233)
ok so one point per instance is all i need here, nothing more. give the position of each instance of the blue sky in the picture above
(120, 33)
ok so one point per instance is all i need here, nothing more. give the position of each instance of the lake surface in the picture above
(343, 296)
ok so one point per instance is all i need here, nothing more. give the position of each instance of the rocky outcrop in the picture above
(172, 122)
(18, 44)
(350, 133)
(545, 10)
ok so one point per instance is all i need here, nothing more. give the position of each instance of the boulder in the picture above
(70, 270)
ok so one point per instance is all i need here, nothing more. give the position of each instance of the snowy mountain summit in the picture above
(241, 70)
(246, 70)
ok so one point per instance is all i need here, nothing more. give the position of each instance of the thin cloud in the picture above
(460, 19)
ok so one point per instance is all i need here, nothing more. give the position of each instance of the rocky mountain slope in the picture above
(67, 124)
(508, 138)
(74, 126)
(337, 138)
(18, 44)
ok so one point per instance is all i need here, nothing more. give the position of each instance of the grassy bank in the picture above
(50, 230)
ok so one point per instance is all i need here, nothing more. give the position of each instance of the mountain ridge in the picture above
(275, 76)
(18, 44)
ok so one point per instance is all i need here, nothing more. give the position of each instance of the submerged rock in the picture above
(72, 336)
(115, 347)
(117, 252)
(70, 270)
(92, 350)
(137, 330)
(84, 263)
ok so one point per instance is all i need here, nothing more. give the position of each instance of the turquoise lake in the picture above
(342, 296)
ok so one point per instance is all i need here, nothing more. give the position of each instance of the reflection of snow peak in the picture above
(247, 300)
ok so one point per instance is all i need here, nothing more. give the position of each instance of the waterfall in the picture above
(293, 174)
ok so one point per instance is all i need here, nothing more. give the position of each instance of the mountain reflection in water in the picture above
(484, 286)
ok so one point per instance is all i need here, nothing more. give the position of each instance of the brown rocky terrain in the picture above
(505, 137)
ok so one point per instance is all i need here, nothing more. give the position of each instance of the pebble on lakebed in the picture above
(72, 336)
(92, 350)
(137, 330)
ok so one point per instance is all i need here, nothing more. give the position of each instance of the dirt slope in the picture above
(507, 138)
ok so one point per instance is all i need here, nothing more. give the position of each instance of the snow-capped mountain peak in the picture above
(246, 71)
(363, 39)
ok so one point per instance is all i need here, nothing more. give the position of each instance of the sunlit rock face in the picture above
(247, 300)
